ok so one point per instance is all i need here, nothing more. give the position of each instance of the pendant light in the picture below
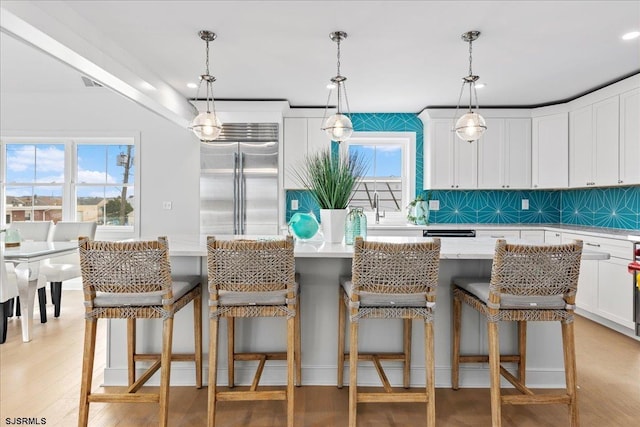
(206, 125)
(338, 126)
(470, 126)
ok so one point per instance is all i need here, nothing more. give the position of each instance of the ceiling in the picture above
(400, 56)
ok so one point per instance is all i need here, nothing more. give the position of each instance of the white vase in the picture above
(332, 222)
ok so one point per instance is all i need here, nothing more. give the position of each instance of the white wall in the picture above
(168, 158)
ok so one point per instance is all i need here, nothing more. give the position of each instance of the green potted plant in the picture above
(331, 179)
(418, 209)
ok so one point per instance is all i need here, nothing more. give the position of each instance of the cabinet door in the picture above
(605, 134)
(629, 137)
(552, 237)
(517, 153)
(533, 236)
(550, 151)
(491, 155)
(439, 155)
(466, 164)
(317, 139)
(615, 291)
(581, 147)
(587, 295)
(295, 148)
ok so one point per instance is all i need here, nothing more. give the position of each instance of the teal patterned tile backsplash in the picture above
(617, 207)
(598, 207)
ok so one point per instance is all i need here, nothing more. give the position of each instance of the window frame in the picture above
(407, 142)
(70, 184)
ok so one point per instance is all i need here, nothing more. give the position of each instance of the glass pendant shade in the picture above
(338, 127)
(470, 127)
(206, 126)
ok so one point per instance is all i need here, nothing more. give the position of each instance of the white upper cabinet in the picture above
(504, 154)
(593, 144)
(629, 172)
(302, 136)
(550, 151)
(451, 162)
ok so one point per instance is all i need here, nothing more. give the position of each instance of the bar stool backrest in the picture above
(394, 268)
(535, 270)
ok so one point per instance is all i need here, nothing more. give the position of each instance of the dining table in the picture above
(27, 256)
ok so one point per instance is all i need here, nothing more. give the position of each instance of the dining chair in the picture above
(389, 281)
(132, 280)
(8, 291)
(59, 269)
(527, 283)
(38, 231)
(249, 278)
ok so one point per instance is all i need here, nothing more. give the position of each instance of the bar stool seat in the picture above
(527, 283)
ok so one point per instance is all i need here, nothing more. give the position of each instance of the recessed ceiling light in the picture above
(192, 85)
(632, 35)
(480, 85)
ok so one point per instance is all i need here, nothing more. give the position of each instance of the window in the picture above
(391, 164)
(75, 179)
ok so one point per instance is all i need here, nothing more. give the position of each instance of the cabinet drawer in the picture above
(499, 234)
(616, 248)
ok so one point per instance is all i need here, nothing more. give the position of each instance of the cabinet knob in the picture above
(452, 186)
(535, 185)
(456, 186)
(507, 186)
(620, 181)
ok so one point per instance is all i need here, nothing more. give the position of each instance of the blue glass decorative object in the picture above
(303, 225)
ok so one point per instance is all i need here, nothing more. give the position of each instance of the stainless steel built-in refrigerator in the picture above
(239, 181)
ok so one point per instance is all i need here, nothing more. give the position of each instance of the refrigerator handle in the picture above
(242, 214)
(235, 193)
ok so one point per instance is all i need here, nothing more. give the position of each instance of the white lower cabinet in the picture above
(587, 295)
(499, 233)
(552, 237)
(615, 292)
(532, 236)
(605, 287)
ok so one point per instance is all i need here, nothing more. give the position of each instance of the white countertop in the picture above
(452, 247)
(613, 233)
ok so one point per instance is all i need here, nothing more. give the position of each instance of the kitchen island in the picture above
(320, 264)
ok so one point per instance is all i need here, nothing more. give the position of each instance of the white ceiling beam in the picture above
(107, 64)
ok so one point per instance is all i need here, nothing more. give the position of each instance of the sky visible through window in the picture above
(45, 164)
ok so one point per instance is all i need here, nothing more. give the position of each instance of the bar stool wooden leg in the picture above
(406, 340)
(430, 374)
(90, 328)
(342, 314)
(568, 342)
(231, 350)
(213, 370)
(494, 372)
(197, 337)
(131, 351)
(165, 369)
(522, 351)
(291, 343)
(455, 359)
(353, 374)
(298, 344)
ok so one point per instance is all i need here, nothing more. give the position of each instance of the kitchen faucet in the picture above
(376, 207)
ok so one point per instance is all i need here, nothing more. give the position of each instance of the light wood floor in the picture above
(41, 379)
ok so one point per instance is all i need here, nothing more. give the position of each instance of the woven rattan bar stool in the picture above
(249, 278)
(389, 281)
(132, 280)
(527, 283)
